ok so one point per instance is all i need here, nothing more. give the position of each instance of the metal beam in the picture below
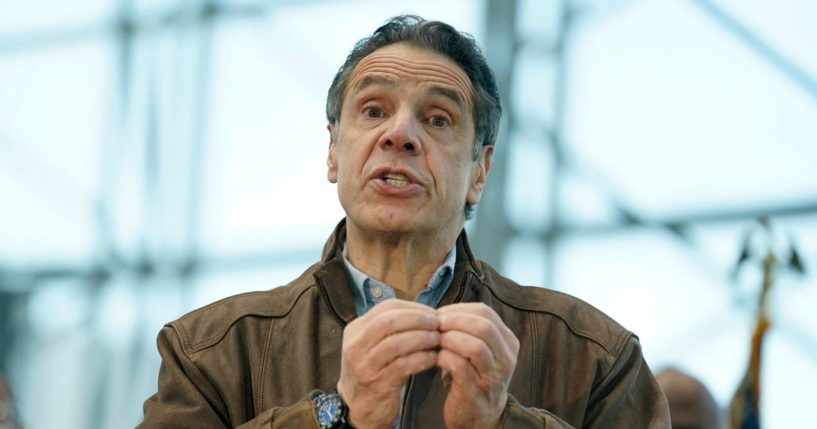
(759, 46)
(491, 226)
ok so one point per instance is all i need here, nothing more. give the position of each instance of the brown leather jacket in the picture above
(255, 360)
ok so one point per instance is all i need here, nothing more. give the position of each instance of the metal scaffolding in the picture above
(143, 128)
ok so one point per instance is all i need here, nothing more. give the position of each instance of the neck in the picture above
(405, 262)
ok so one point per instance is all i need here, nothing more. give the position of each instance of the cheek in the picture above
(453, 179)
(351, 160)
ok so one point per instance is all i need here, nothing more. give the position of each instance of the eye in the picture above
(439, 121)
(373, 112)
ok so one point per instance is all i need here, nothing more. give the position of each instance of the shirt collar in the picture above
(362, 282)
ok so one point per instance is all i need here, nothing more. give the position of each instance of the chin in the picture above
(399, 223)
(389, 221)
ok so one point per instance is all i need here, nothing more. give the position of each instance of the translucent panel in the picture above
(533, 91)
(154, 176)
(217, 285)
(58, 307)
(149, 179)
(56, 348)
(146, 9)
(786, 25)
(524, 262)
(322, 33)
(86, 344)
(54, 116)
(584, 201)
(338, 24)
(54, 371)
(648, 281)
(266, 158)
(527, 190)
(28, 18)
(666, 104)
(539, 21)
(787, 383)
(795, 299)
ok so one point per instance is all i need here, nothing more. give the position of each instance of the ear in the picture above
(481, 168)
(331, 160)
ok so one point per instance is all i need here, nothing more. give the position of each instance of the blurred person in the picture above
(691, 405)
(399, 325)
(8, 415)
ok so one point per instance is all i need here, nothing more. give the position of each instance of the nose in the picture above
(402, 135)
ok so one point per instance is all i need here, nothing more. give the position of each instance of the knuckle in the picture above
(365, 374)
(484, 329)
(473, 349)
(484, 310)
(507, 363)
(402, 366)
(392, 348)
(515, 345)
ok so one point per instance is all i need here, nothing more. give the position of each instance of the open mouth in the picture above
(396, 180)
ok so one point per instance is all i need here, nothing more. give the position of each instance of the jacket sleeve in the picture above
(517, 416)
(187, 399)
(627, 397)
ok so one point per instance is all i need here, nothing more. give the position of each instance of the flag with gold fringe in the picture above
(744, 409)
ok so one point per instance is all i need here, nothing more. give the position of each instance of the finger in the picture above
(445, 375)
(472, 349)
(402, 344)
(365, 332)
(475, 326)
(474, 308)
(393, 303)
(458, 370)
(399, 370)
(480, 310)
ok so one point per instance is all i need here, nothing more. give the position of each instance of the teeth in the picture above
(397, 180)
(396, 176)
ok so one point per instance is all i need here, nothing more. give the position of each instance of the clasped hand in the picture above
(469, 342)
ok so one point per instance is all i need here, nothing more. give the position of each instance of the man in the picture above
(413, 117)
(8, 417)
(691, 405)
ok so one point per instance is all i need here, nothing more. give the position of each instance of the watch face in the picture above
(330, 410)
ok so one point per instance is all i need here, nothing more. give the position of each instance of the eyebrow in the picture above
(434, 90)
(448, 93)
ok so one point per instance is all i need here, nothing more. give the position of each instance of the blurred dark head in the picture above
(8, 417)
(691, 405)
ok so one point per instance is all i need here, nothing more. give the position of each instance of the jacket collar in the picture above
(467, 275)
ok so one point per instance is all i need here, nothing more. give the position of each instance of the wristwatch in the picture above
(330, 410)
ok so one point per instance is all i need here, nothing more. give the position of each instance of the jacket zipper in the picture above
(405, 402)
(325, 296)
(407, 389)
(461, 292)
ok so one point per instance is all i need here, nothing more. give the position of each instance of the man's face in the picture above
(402, 155)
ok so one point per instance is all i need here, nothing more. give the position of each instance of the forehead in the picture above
(401, 62)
